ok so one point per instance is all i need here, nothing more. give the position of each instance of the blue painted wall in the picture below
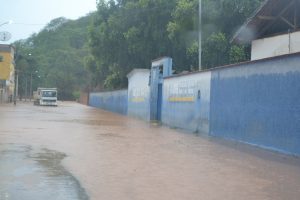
(114, 101)
(139, 94)
(255, 102)
(186, 102)
(258, 103)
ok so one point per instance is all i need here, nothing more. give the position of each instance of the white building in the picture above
(272, 30)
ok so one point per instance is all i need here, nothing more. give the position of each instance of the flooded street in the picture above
(76, 152)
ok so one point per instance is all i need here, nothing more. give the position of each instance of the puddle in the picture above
(31, 174)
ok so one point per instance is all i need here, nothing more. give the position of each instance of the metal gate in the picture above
(161, 68)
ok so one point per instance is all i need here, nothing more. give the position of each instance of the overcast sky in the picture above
(30, 16)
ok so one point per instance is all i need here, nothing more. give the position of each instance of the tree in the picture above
(57, 53)
(99, 50)
(215, 50)
(127, 35)
(220, 19)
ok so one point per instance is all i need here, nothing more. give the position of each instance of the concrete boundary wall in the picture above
(114, 101)
(258, 103)
(186, 102)
(83, 98)
(139, 94)
(255, 102)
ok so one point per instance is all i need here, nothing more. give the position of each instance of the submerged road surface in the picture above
(75, 152)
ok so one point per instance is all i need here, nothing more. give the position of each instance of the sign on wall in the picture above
(182, 92)
(138, 94)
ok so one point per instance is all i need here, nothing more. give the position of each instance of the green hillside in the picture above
(55, 57)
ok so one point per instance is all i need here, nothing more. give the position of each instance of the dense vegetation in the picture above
(55, 57)
(100, 49)
(128, 34)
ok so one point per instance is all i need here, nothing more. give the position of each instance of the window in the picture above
(49, 94)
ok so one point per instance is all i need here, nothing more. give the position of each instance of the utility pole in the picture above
(200, 35)
(31, 79)
(30, 91)
(26, 94)
(15, 87)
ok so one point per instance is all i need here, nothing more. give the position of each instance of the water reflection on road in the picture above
(77, 152)
(30, 174)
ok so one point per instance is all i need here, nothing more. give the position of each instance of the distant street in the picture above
(75, 152)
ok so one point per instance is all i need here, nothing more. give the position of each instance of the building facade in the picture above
(273, 30)
(7, 70)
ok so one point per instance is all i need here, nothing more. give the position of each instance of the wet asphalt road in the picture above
(76, 152)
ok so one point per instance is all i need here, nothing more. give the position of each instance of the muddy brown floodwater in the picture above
(76, 152)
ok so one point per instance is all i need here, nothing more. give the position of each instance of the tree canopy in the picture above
(99, 50)
(127, 34)
(55, 57)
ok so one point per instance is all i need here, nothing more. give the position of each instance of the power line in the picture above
(28, 24)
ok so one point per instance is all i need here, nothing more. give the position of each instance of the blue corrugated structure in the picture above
(186, 101)
(258, 103)
(139, 94)
(114, 101)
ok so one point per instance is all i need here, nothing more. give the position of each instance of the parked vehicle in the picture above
(45, 97)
